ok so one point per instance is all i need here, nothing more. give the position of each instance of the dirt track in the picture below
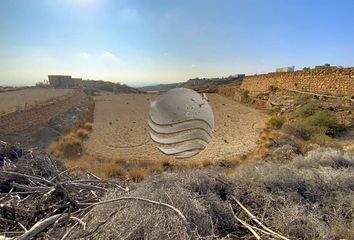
(120, 128)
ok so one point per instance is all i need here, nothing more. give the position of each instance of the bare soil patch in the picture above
(120, 129)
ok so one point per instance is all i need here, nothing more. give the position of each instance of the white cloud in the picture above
(108, 55)
(193, 65)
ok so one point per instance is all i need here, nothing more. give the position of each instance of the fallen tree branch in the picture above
(246, 225)
(28, 176)
(25, 187)
(259, 222)
(98, 182)
(41, 225)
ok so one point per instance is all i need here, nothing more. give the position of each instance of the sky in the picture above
(162, 41)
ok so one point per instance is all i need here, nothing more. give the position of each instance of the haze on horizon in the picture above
(148, 42)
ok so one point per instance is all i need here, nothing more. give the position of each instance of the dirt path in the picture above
(120, 128)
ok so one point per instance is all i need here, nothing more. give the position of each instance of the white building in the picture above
(286, 69)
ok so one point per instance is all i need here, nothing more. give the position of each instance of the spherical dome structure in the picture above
(181, 122)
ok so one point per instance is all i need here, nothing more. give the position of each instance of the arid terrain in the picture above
(120, 128)
(28, 97)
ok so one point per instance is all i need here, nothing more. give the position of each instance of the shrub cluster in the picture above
(313, 124)
(311, 197)
(277, 122)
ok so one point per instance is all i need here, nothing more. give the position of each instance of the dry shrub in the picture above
(88, 126)
(167, 166)
(136, 174)
(119, 160)
(156, 168)
(189, 164)
(245, 97)
(325, 157)
(300, 130)
(137, 220)
(85, 162)
(315, 193)
(110, 170)
(311, 197)
(206, 162)
(67, 146)
(82, 133)
(101, 168)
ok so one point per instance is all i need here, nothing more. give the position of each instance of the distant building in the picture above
(62, 81)
(238, 75)
(286, 69)
(327, 65)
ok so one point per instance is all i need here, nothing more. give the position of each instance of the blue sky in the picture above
(162, 41)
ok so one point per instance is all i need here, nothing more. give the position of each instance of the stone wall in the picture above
(61, 81)
(333, 81)
(18, 121)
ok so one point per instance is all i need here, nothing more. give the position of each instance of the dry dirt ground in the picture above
(9, 100)
(121, 130)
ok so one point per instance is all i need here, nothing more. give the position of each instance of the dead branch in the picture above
(110, 182)
(246, 225)
(84, 186)
(259, 222)
(28, 177)
(40, 226)
(25, 187)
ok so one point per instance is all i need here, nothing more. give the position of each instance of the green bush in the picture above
(277, 122)
(321, 139)
(324, 119)
(306, 110)
(321, 122)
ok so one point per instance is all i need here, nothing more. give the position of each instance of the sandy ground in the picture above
(121, 130)
(9, 100)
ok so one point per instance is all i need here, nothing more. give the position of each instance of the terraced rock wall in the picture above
(21, 120)
(333, 81)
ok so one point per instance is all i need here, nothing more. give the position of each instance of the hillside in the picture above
(197, 84)
(93, 86)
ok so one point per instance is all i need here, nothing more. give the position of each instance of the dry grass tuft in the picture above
(85, 162)
(206, 162)
(101, 168)
(110, 170)
(156, 168)
(119, 160)
(67, 146)
(88, 126)
(136, 174)
(82, 133)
